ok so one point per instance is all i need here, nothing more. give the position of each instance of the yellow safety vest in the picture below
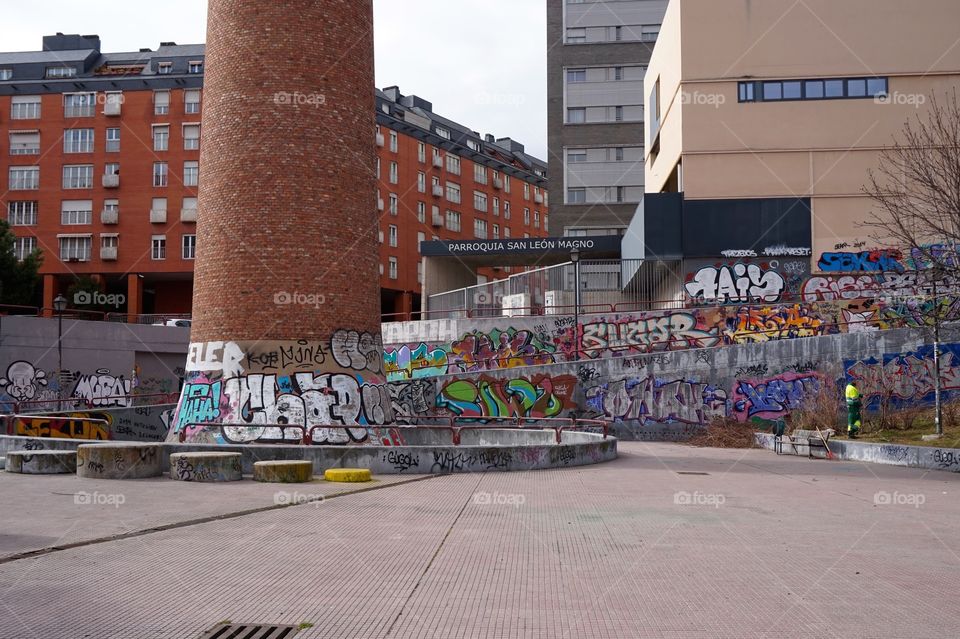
(852, 392)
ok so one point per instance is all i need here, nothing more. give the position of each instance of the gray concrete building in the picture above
(597, 55)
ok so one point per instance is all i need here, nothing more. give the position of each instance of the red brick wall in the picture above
(287, 202)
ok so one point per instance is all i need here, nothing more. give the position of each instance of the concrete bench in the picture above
(41, 462)
(206, 466)
(283, 471)
(117, 460)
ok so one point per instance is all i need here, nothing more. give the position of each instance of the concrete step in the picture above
(116, 460)
(206, 466)
(41, 462)
(283, 471)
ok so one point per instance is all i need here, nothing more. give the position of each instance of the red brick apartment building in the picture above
(102, 167)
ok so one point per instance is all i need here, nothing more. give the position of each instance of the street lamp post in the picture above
(59, 305)
(937, 392)
(575, 258)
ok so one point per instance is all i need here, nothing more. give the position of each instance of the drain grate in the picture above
(691, 472)
(249, 631)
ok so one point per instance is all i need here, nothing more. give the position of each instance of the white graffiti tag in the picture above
(741, 283)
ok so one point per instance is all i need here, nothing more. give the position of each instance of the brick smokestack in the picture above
(286, 325)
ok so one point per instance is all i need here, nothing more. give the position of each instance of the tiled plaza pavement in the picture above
(770, 547)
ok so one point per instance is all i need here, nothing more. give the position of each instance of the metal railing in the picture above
(64, 404)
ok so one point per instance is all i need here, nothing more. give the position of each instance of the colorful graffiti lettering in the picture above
(651, 400)
(740, 283)
(70, 426)
(199, 404)
(908, 378)
(764, 324)
(772, 398)
(540, 396)
(422, 361)
(510, 348)
(671, 331)
(863, 261)
(103, 389)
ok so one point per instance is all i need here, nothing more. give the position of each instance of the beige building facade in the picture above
(773, 99)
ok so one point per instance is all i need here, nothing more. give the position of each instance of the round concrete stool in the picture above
(118, 460)
(206, 467)
(42, 462)
(347, 474)
(283, 471)
(3, 463)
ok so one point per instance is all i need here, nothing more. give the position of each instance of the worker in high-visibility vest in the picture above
(854, 410)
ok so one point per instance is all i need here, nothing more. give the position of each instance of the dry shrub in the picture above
(822, 411)
(724, 432)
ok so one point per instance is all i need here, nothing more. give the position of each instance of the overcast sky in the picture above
(482, 63)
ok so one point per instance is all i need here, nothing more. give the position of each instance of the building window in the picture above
(24, 142)
(506, 183)
(392, 235)
(23, 247)
(61, 72)
(78, 176)
(576, 36)
(576, 75)
(24, 178)
(506, 231)
(159, 204)
(421, 211)
(536, 219)
(191, 137)
(480, 229)
(195, 66)
(6, 74)
(394, 173)
(189, 245)
(160, 172)
(113, 140)
(576, 116)
(161, 138)
(506, 210)
(394, 204)
(75, 248)
(25, 107)
(76, 212)
(473, 145)
(453, 164)
(393, 268)
(158, 247)
(422, 182)
(79, 105)
(453, 192)
(649, 33)
(526, 217)
(576, 156)
(480, 201)
(576, 196)
(421, 238)
(112, 206)
(78, 141)
(22, 213)
(191, 101)
(453, 221)
(191, 173)
(820, 89)
(111, 168)
(496, 231)
(443, 133)
(165, 68)
(496, 207)
(109, 242)
(161, 102)
(526, 191)
(479, 174)
(394, 145)
(421, 152)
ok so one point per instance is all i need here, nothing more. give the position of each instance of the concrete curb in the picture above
(926, 457)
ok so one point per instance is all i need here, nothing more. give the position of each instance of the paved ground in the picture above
(762, 546)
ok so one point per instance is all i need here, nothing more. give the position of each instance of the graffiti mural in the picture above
(406, 363)
(862, 261)
(22, 381)
(739, 283)
(905, 379)
(538, 396)
(510, 348)
(768, 323)
(70, 426)
(774, 397)
(103, 389)
(660, 401)
(628, 335)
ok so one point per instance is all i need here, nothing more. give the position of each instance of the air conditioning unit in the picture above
(188, 215)
(111, 181)
(538, 198)
(111, 108)
(108, 253)
(516, 305)
(437, 220)
(497, 183)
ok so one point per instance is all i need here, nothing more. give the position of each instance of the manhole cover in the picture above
(249, 631)
(690, 472)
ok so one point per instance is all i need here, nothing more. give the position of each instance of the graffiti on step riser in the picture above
(650, 400)
(774, 397)
(907, 379)
(764, 324)
(511, 348)
(865, 261)
(421, 361)
(83, 425)
(539, 396)
(624, 336)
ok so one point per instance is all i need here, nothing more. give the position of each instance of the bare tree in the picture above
(916, 188)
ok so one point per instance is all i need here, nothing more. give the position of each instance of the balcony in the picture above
(111, 181)
(108, 253)
(110, 216)
(437, 190)
(438, 161)
(111, 108)
(158, 216)
(188, 215)
(437, 220)
(538, 198)
(380, 140)
(497, 183)
(380, 204)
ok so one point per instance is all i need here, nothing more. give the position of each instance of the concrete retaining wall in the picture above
(927, 457)
(136, 424)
